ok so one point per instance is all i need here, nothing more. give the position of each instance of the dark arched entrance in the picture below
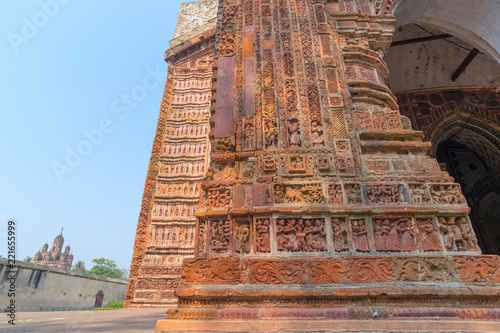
(480, 185)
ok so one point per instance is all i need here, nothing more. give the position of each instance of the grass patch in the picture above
(115, 305)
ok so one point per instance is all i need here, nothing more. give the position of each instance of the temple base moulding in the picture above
(381, 326)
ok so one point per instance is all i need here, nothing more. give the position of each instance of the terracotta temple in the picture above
(288, 183)
(55, 257)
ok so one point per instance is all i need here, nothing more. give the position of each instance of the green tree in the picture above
(108, 268)
(79, 266)
(28, 259)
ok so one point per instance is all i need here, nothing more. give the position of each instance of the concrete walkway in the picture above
(128, 321)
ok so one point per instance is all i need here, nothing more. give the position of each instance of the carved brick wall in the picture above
(313, 178)
(166, 231)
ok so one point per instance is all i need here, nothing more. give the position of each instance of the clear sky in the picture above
(81, 83)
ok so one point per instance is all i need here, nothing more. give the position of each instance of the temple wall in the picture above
(181, 163)
(38, 286)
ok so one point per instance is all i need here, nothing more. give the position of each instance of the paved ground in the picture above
(128, 321)
(137, 321)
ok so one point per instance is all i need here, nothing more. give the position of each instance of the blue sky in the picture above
(80, 90)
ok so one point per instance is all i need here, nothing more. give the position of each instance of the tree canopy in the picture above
(107, 268)
(79, 266)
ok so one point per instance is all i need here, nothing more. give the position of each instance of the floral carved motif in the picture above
(325, 271)
(478, 269)
(277, 271)
(394, 234)
(425, 269)
(301, 235)
(373, 269)
(267, 164)
(208, 271)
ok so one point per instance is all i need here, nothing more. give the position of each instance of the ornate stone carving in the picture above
(294, 133)
(341, 235)
(219, 236)
(219, 197)
(267, 164)
(478, 269)
(301, 235)
(353, 192)
(335, 194)
(370, 270)
(394, 234)
(249, 136)
(325, 271)
(271, 133)
(428, 235)
(419, 194)
(324, 163)
(447, 195)
(317, 133)
(303, 193)
(210, 271)
(361, 237)
(417, 269)
(279, 193)
(241, 234)
(277, 272)
(202, 238)
(226, 44)
(262, 235)
(297, 164)
(384, 194)
(457, 234)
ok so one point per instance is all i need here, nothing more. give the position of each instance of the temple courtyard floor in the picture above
(144, 320)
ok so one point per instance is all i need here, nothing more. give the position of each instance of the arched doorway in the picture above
(480, 186)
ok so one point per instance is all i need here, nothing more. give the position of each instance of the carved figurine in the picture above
(335, 194)
(262, 239)
(360, 236)
(294, 137)
(429, 238)
(316, 133)
(270, 134)
(242, 239)
(340, 235)
(249, 136)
